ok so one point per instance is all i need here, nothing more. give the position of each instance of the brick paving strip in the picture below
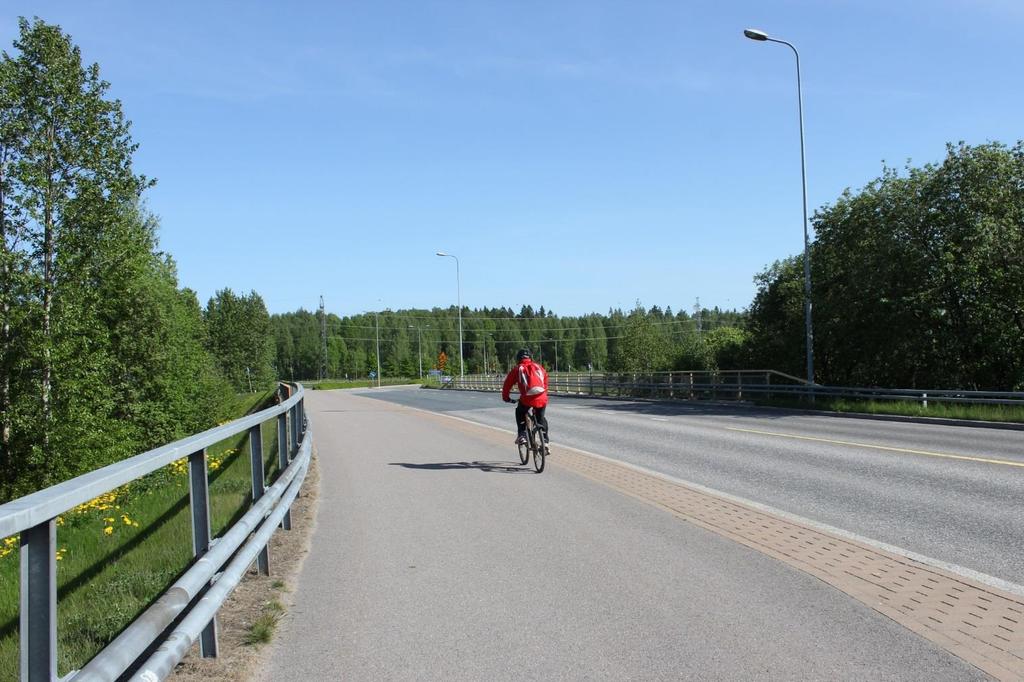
(981, 624)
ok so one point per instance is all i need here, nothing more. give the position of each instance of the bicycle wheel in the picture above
(524, 448)
(539, 449)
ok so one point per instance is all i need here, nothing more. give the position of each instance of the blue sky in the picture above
(576, 155)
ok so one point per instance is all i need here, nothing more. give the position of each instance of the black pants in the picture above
(538, 413)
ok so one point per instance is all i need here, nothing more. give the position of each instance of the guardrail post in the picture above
(282, 459)
(739, 386)
(199, 494)
(768, 382)
(691, 385)
(39, 603)
(924, 400)
(293, 415)
(259, 486)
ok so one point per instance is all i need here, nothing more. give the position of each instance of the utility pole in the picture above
(696, 316)
(323, 340)
(376, 319)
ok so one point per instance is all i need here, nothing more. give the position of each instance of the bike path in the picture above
(437, 556)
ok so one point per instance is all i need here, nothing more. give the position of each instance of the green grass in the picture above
(106, 578)
(262, 630)
(994, 413)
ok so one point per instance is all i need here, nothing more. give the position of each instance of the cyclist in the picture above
(533, 392)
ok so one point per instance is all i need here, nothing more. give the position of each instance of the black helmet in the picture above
(522, 354)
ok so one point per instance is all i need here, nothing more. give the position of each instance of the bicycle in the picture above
(534, 443)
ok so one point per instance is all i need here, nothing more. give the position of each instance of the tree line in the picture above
(309, 345)
(918, 280)
(102, 355)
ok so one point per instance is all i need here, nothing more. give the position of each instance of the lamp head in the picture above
(441, 253)
(754, 34)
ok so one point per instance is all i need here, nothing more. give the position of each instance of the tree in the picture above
(65, 178)
(240, 340)
(726, 347)
(776, 318)
(643, 348)
(918, 280)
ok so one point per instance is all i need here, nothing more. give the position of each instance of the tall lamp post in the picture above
(419, 348)
(556, 352)
(458, 292)
(754, 34)
(376, 320)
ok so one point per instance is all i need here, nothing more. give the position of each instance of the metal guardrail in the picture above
(731, 385)
(33, 517)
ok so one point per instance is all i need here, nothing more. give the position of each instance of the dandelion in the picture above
(108, 530)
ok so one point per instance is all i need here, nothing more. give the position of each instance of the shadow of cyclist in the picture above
(492, 467)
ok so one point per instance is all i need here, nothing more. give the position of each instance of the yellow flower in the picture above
(108, 530)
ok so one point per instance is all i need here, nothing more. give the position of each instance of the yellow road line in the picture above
(883, 447)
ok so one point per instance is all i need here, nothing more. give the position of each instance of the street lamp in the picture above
(376, 319)
(484, 336)
(419, 348)
(761, 36)
(556, 352)
(458, 292)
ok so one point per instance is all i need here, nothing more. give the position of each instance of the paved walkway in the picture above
(436, 556)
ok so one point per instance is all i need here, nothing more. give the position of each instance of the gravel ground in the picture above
(238, 661)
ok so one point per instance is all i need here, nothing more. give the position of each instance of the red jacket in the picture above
(513, 379)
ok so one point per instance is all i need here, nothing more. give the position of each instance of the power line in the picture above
(473, 343)
(686, 322)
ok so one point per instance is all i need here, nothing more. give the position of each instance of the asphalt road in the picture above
(829, 469)
(436, 557)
